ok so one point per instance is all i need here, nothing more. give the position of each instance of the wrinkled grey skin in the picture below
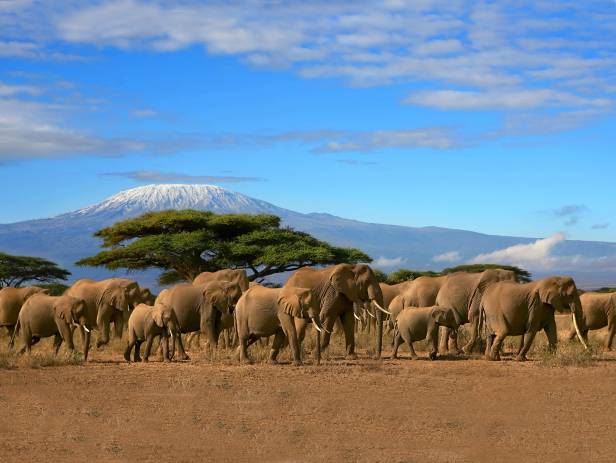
(263, 312)
(515, 309)
(42, 316)
(147, 322)
(11, 301)
(418, 323)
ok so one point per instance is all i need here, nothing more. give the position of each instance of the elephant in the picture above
(144, 324)
(235, 276)
(146, 297)
(200, 308)
(418, 323)
(11, 300)
(42, 316)
(265, 312)
(337, 288)
(106, 301)
(391, 291)
(598, 311)
(462, 292)
(514, 309)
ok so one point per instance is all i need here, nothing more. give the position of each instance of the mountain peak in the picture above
(159, 197)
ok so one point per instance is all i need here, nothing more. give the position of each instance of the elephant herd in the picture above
(224, 303)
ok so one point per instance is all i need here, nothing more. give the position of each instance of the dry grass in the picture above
(567, 354)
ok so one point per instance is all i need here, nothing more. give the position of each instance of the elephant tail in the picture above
(12, 340)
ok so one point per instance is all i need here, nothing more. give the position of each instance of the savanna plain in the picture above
(555, 407)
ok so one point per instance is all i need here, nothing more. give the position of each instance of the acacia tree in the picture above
(187, 242)
(17, 270)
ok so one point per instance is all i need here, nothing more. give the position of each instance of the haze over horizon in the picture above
(491, 117)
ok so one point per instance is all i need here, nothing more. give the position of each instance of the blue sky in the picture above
(489, 116)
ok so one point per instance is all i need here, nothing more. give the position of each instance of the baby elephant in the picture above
(145, 323)
(418, 323)
(42, 316)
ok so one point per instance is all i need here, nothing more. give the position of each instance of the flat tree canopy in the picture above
(187, 242)
(17, 270)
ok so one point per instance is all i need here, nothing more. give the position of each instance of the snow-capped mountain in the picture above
(68, 237)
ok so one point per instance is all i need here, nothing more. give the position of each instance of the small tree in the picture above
(522, 275)
(405, 274)
(187, 242)
(17, 270)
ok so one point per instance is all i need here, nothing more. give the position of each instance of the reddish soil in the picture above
(389, 411)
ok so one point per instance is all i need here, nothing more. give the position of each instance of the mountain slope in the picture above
(68, 237)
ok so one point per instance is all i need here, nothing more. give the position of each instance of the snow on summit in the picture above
(161, 197)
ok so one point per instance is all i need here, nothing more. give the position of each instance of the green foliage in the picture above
(380, 275)
(405, 274)
(186, 243)
(522, 275)
(55, 289)
(17, 270)
(605, 290)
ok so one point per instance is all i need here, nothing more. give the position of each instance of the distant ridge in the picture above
(68, 237)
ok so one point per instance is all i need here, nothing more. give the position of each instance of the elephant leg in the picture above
(348, 324)
(148, 347)
(528, 341)
(551, 333)
(243, 348)
(118, 324)
(137, 355)
(104, 334)
(129, 347)
(413, 353)
(452, 342)
(468, 347)
(443, 340)
(164, 340)
(397, 343)
(276, 346)
(66, 335)
(182, 352)
(611, 330)
(432, 340)
(57, 342)
(317, 347)
(288, 326)
(494, 352)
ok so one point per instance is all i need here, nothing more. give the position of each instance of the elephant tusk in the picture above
(370, 313)
(356, 317)
(380, 308)
(577, 330)
(86, 329)
(316, 326)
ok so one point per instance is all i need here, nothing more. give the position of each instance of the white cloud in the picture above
(452, 256)
(501, 99)
(11, 90)
(537, 254)
(153, 176)
(389, 261)
(143, 113)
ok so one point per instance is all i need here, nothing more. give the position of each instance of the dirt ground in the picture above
(391, 411)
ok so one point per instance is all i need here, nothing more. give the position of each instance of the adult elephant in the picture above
(11, 300)
(200, 308)
(106, 302)
(462, 292)
(337, 289)
(513, 309)
(263, 312)
(598, 311)
(42, 316)
(237, 276)
(391, 291)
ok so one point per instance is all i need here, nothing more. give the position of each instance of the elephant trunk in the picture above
(576, 311)
(376, 297)
(86, 342)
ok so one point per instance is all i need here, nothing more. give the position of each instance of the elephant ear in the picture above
(290, 304)
(548, 291)
(64, 311)
(157, 316)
